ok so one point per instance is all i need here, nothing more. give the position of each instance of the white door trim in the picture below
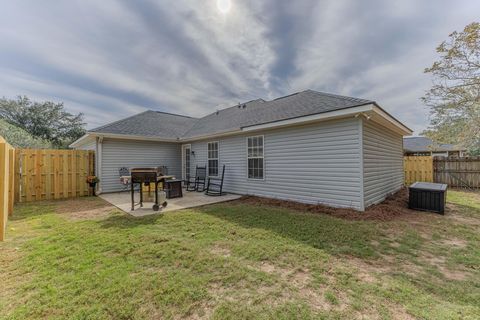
(185, 146)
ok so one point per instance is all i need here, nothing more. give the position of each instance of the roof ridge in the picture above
(230, 107)
(174, 114)
(336, 95)
(288, 95)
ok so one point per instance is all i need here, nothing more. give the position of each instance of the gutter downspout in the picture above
(361, 168)
(98, 163)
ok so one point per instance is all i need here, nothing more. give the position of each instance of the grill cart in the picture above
(145, 176)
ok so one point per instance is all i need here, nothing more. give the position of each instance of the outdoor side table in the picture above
(173, 188)
(427, 196)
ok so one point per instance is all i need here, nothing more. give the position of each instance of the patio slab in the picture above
(121, 200)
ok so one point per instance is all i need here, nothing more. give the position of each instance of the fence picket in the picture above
(74, 174)
(28, 175)
(81, 173)
(7, 164)
(17, 175)
(11, 181)
(64, 175)
(48, 174)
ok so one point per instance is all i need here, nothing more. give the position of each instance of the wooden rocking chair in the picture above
(197, 183)
(215, 185)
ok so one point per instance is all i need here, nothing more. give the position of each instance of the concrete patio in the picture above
(122, 201)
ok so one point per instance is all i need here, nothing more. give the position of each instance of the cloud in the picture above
(110, 59)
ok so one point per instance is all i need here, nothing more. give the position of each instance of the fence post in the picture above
(11, 180)
(3, 187)
(17, 174)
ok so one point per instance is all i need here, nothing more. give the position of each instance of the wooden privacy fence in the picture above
(457, 172)
(7, 173)
(454, 171)
(52, 174)
(418, 169)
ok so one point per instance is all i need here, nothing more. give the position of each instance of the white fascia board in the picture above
(80, 140)
(364, 109)
(130, 137)
(134, 137)
(406, 131)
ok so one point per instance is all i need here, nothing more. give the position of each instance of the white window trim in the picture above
(217, 158)
(263, 157)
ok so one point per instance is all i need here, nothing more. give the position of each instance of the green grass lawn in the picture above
(81, 259)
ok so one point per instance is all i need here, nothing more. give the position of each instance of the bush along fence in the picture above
(456, 172)
(41, 174)
(7, 173)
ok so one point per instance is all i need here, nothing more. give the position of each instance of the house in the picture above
(423, 146)
(309, 147)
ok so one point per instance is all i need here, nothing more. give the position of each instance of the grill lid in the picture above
(157, 170)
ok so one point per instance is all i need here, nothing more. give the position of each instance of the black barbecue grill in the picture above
(145, 176)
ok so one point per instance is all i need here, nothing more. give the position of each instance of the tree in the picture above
(455, 95)
(20, 138)
(44, 120)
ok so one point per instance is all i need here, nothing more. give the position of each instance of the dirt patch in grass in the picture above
(367, 268)
(299, 277)
(298, 281)
(371, 271)
(387, 264)
(455, 215)
(242, 293)
(439, 262)
(320, 298)
(221, 251)
(455, 242)
(398, 312)
(394, 206)
(84, 208)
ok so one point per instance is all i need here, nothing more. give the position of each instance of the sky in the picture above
(112, 59)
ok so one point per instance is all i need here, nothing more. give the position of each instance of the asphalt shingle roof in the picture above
(164, 125)
(259, 111)
(422, 144)
(150, 124)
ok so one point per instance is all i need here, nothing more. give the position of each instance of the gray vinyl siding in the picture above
(382, 162)
(131, 153)
(312, 164)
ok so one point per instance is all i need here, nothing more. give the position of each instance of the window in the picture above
(213, 158)
(255, 157)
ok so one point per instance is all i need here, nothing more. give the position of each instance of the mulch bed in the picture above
(395, 206)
